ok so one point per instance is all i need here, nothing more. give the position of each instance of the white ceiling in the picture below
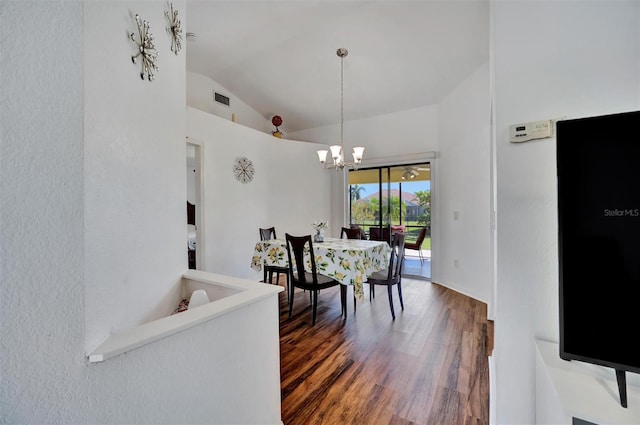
(279, 57)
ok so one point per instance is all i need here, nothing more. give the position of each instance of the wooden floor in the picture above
(429, 366)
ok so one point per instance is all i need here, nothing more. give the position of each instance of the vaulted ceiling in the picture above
(280, 58)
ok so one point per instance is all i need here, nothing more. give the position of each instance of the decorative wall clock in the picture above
(243, 169)
(174, 29)
(146, 50)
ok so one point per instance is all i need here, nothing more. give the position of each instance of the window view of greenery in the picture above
(399, 197)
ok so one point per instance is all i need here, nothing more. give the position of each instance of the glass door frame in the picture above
(385, 198)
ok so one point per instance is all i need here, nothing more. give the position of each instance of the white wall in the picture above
(42, 302)
(407, 132)
(62, 205)
(464, 188)
(586, 62)
(134, 168)
(200, 90)
(289, 191)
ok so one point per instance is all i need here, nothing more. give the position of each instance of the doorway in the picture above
(195, 245)
(398, 197)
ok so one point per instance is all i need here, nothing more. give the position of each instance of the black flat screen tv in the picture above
(598, 171)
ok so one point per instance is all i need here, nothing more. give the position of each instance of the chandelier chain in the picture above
(342, 102)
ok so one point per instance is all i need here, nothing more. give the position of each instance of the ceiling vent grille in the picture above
(220, 98)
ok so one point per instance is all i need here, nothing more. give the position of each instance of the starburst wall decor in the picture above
(174, 29)
(146, 50)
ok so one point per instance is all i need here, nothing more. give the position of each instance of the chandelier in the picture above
(337, 151)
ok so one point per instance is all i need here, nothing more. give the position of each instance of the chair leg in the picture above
(314, 297)
(290, 296)
(264, 278)
(393, 313)
(287, 284)
(343, 299)
(400, 293)
(421, 257)
(355, 302)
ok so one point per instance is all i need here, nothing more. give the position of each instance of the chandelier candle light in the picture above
(337, 151)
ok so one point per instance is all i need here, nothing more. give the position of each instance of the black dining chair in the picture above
(313, 281)
(267, 234)
(392, 275)
(380, 233)
(351, 233)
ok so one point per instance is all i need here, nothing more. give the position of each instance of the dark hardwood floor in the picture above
(429, 366)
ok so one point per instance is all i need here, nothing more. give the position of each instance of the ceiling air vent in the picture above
(221, 98)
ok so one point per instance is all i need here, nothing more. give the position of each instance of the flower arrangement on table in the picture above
(320, 226)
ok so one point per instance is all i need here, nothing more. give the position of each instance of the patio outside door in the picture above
(397, 196)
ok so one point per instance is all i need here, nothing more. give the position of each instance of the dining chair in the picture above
(392, 275)
(418, 243)
(313, 281)
(267, 234)
(380, 233)
(351, 233)
(363, 234)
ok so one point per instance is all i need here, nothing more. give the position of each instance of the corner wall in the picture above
(75, 150)
(586, 62)
(135, 182)
(463, 245)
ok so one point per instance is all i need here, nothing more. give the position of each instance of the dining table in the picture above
(349, 261)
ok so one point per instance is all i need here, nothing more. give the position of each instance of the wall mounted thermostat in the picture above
(531, 130)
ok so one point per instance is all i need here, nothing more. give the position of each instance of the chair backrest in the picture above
(351, 233)
(363, 234)
(397, 257)
(268, 233)
(295, 253)
(421, 236)
(380, 234)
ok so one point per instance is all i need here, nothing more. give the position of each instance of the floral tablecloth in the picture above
(349, 261)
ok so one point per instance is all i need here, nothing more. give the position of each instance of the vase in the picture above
(319, 236)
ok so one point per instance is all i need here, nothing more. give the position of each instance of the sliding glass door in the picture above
(398, 197)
